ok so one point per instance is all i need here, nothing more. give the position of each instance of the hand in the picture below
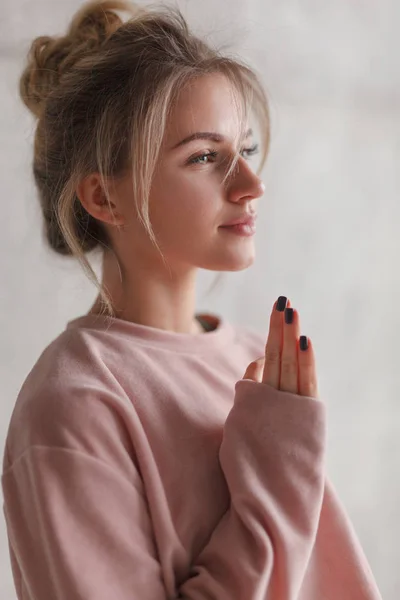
(285, 366)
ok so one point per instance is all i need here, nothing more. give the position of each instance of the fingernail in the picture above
(289, 315)
(303, 342)
(281, 304)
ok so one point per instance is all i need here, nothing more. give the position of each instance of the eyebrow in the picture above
(218, 138)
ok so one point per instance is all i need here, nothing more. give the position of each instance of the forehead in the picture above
(205, 104)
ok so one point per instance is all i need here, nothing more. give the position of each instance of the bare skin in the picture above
(188, 203)
(284, 365)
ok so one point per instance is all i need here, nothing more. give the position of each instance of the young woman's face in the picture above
(188, 200)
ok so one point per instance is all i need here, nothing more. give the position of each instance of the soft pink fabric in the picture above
(140, 466)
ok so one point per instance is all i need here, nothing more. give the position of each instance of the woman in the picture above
(140, 462)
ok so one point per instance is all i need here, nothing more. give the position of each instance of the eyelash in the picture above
(213, 153)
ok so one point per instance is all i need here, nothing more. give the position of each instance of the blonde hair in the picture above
(102, 94)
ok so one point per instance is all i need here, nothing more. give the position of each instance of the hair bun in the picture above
(50, 57)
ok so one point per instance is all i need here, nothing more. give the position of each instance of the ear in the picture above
(92, 195)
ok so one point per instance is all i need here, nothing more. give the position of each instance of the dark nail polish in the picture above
(303, 342)
(289, 315)
(281, 304)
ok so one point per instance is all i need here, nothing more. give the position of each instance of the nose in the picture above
(245, 184)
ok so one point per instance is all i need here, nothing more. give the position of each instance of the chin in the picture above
(231, 262)
(240, 264)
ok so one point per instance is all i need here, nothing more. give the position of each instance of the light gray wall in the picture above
(327, 234)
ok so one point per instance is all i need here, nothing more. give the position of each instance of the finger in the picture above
(308, 383)
(289, 360)
(273, 348)
(254, 370)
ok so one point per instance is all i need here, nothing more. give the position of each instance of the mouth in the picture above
(247, 219)
(242, 229)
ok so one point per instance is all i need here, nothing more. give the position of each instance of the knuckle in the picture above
(307, 376)
(288, 367)
(272, 356)
(307, 368)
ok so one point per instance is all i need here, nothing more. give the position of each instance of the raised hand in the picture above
(289, 362)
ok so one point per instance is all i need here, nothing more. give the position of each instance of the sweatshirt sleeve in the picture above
(80, 529)
(272, 455)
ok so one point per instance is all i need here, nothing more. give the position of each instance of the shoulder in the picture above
(69, 399)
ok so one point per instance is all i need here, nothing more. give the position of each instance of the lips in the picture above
(243, 220)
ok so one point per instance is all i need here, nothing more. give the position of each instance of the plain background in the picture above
(327, 237)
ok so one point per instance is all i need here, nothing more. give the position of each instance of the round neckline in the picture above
(145, 335)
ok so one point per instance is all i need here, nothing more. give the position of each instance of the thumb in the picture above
(255, 369)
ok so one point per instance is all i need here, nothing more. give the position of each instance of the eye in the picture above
(245, 152)
(250, 151)
(198, 159)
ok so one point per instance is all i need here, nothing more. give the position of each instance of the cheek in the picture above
(179, 199)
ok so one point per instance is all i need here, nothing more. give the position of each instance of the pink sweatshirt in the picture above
(140, 466)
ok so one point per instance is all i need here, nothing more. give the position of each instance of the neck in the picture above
(162, 300)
